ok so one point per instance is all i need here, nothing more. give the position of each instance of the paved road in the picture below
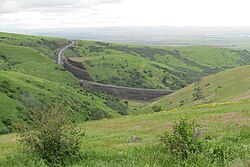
(59, 56)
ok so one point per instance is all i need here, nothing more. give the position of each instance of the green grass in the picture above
(212, 57)
(148, 126)
(154, 67)
(229, 85)
(106, 143)
(222, 122)
(27, 61)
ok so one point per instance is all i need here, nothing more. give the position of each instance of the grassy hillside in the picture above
(227, 86)
(106, 141)
(30, 79)
(227, 123)
(21, 92)
(26, 60)
(46, 46)
(154, 67)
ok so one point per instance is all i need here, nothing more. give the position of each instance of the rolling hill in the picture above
(228, 86)
(154, 67)
(30, 79)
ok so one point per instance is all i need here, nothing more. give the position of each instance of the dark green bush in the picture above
(116, 105)
(52, 137)
(197, 94)
(183, 141)
(8, 125)
(157, 108)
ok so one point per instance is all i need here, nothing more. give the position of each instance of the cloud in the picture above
(53, 13)
(44, 3)
(15, 6)
(86, 13)
(107, 1)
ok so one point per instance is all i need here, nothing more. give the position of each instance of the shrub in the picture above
(52, 137)
(183, 140)
(8, 125)
(185, 147)
(116, 105)
(197, 94)
(157, 108)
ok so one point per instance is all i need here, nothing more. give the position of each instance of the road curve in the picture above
(59, 56)
(118, 91)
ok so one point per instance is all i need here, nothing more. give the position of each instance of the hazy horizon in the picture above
(151, 35)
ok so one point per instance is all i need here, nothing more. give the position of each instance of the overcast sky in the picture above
(106, 13)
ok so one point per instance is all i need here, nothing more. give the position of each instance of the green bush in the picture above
(183, 141)
(157, 108)
(197, 94)
(8, 125)
(121, 108)
(52, 137)
(186, 147)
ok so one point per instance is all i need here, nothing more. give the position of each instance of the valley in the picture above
(211, 87)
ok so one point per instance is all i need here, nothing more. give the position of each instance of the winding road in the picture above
(118, 91)
(59, 56)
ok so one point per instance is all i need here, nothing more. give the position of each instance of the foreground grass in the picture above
(106, 143)
(219, 120)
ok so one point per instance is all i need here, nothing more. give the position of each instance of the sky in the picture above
(107, 13)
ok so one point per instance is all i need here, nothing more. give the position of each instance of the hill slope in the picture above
(154, 67)
(227, 86)
(46, 46)
(106, 142)
(29, 79)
